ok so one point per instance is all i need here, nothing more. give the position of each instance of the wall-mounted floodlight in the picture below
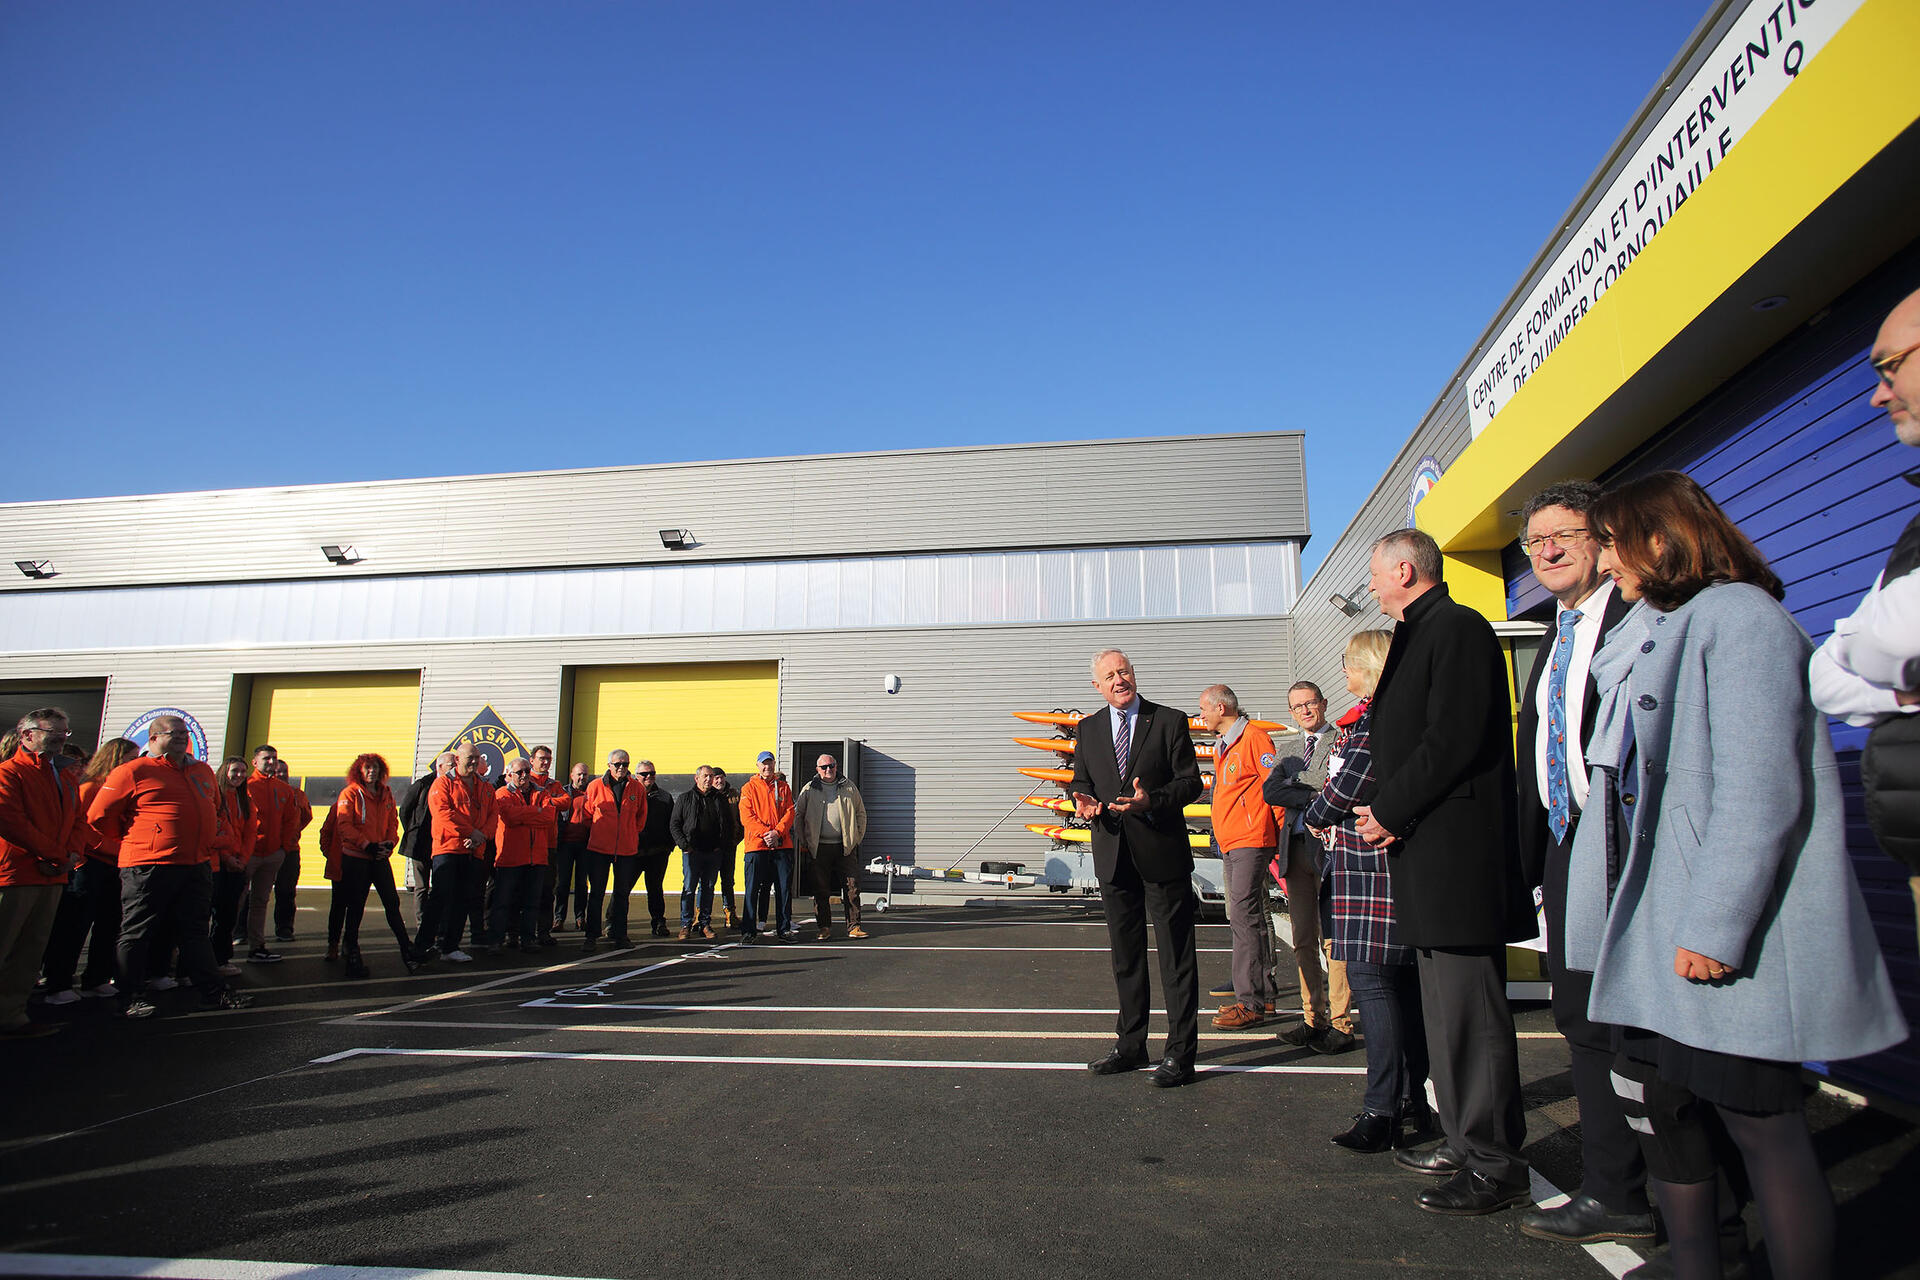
(1345, 605)
(341, 555)
(676, 539)
(35, 568)
(891, 684)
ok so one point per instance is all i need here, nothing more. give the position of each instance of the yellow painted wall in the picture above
(320, 721)
(680, 716)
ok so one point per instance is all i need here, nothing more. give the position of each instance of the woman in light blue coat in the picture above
(1710, 891)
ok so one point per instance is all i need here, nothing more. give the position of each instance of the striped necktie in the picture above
(1122, 742)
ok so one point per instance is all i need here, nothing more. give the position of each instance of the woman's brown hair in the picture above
(1667, 530)
(113, 753)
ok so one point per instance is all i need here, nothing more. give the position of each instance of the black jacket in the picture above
(702, 822)
(1162, 758)
(1890, 765)
(1536, 837)
(1443, 763)
(416, 820)
(657, 835)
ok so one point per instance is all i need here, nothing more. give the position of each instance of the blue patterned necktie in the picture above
(1559, 798)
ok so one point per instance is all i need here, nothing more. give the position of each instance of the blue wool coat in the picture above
(1734, 847)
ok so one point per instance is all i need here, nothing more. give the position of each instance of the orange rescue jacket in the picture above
(523, 828)
(461, 807)
(233, 832)
(766, 806)
(1241, 819)
(165, 814)
(39, 809)
(280, 814)
(615, 828)
(360, 819)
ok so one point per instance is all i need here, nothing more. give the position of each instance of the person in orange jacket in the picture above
(39, 808)
(89, 914)
(163, 807)
(523, 826)
(280, 814)
(462, 805)
(766, 815)
(616, 809)
(235, 829)
(287, 883)
(555, 797)
(1247, 829)
(366, 827)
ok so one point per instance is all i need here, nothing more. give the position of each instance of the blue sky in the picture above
(254, 244)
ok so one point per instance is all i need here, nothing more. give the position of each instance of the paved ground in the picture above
(911, 1105)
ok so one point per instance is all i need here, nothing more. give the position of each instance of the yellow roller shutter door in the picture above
(678, 715)
(320, 722)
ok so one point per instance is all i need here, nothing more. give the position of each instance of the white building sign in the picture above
(1761, 53)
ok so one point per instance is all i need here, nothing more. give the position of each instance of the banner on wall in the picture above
(138, 732)
(1767, 46)
(496, 743)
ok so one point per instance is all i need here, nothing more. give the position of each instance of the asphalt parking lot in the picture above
(914, 1104)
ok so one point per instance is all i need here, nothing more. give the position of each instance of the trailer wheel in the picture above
(880, 904)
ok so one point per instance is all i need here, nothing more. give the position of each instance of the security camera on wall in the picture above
(891, 684)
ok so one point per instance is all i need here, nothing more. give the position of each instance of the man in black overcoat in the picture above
(1134, 770)
(1443, 805)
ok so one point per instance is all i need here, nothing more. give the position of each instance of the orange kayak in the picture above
(1060, 804)
(1080, 835)
(1064, 746)
(1066, 775)
(1068, 719)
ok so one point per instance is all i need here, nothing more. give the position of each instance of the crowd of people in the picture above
(1670, 816)
(157, 866)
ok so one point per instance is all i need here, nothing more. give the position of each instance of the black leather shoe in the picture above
(1172, 1073)
(1331, 1039)
(1469, 1194)
(1584, 1220)
(1299, 1035)
(1370, 1135)
(1438, 1161)
(1117, 1062)
(1418, 1125)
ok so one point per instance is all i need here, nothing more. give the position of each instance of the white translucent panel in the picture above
(1123, 583)
(757, 611)
(696, 599)
(664, 605)
(823, 593)
(856, 593)
(956, 588)
(1090, 585)
(922, 591)
(1272, 570)
(1196, 581)
(1055, 571)
(1232, 589)
(889, 592)
(1023, 586)
(789, 597)
(729, 597)
(989, 573)
(1160, 583)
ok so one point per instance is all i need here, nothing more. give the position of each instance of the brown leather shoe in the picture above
(686, 935)
(824, 935)
(1238, 1017)
(856, 932)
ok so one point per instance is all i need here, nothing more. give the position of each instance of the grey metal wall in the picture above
(1091, 492)
(939, 765)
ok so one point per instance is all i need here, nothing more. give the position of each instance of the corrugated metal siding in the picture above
(1321, 630)
(935, 499)
(938, 758)
(1797, 456)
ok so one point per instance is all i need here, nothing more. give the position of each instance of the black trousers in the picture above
(653, 868)
(285, 882)
(181, 899)
(626, 874)
(357, 875)
(569, 880)
(1129, 902)
(1613, 1170)
(228, 886)
(456, 898)
(90, 905)
(597, 866)
(1474, 1059)
(423, 908)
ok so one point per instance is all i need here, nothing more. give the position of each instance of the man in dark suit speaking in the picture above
(1443, 807)
(1133, 772)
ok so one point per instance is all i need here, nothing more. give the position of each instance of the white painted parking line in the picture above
(867, 1033)
(950, 1064)
(75, 1264)
(550, 1003)
(517, 975)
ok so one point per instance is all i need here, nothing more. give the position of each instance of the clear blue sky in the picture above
(252, 244)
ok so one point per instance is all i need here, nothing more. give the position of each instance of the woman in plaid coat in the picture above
(1381, 970)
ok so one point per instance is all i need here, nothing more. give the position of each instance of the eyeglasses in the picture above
(618, 764)
(826, 768)
(643, 773)
(1888, 366)
(60, 734)
(1298, 707)
(1559, 537)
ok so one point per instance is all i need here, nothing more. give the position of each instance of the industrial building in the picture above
(1706, 305)
(904, 603)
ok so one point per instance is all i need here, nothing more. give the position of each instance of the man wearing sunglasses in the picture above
(656, 845)
(616, 809)
(1868, 671)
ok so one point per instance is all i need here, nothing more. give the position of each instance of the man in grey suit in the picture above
(1134, 770)
(1325, 998)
